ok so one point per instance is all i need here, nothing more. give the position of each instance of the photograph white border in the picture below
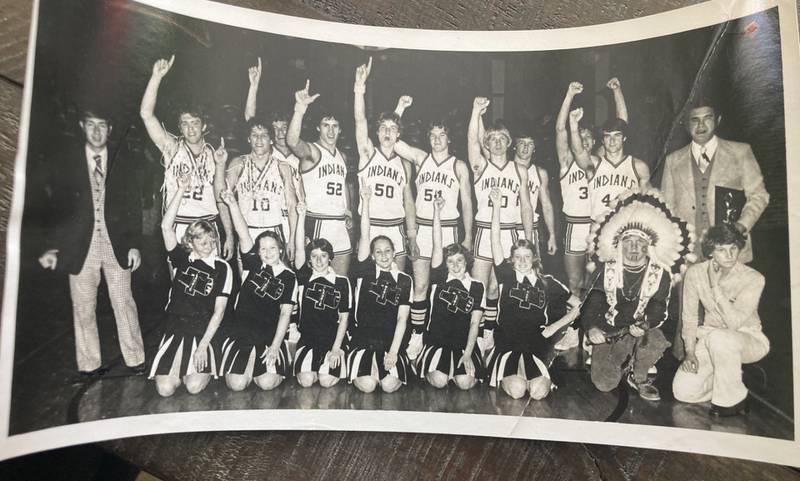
(644, 436)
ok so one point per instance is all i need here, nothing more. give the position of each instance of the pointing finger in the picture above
(308, 83)
(221, 143)
(369, 64)
(259, 64)
(171, 59)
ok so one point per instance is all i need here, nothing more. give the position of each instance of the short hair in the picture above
(274, 236)
(279, 116)
(390, 117)
(721, 234)
(329, 115)
(259, 122)
(195, 110)
(497, 127)
(321, 244)
(197, 229)
(699, 102)
(456, 248)
(96, 112)
(615, 125)
(438, 124)
(378, 238)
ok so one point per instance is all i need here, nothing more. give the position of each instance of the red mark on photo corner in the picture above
(751, 28)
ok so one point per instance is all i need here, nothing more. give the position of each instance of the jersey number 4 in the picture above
(606, 199)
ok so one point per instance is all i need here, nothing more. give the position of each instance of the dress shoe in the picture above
(646, 390)
(94, 372)
(742, 407)
(138, 370)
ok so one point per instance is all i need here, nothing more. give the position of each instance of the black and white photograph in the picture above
(235, 220)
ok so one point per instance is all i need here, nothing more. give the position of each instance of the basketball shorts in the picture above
(576, 235)
(482, 247)
(425, 236)
(278, 229)
(394, 229)
(183, 223)
(331, 228)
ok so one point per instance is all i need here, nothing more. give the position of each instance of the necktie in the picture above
(704, 160)
(98, 169)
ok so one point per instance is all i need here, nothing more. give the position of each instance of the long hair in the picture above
(278, 240)
(537, 260)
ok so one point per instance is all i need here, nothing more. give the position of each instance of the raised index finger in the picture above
(369, 64)
(259, 64)
(221, 143)
(171, 59)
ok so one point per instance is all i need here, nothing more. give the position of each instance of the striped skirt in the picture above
(174, 345)
(237, 356)
(511, 363)
(311, 359)
(445, 360)
(369, 362)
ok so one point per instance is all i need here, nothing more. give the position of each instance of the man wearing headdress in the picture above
(636, 248)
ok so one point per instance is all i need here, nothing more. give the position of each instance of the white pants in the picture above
(720, 355)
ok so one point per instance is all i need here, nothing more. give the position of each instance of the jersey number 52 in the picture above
(334, 188)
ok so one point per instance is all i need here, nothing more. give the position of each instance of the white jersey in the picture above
(260, 193)
(534, 187)
(507, 180)
(325, 185)
(294, 165)
(608, 182)
(575, 192)
(387, 179)
(199, 201)
(437, 180)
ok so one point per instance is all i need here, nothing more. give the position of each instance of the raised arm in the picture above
(148, 106)
(406, 151)
(290, 196)
(403, 103)
(476, 159)
(365, 147)
(245, 240)
(301, 148)
(643, 171)
(465, 194)
(437, 255)
(221, 161)
(364, 239)
(254, 73)
(525, 206)
(562, 137)
(168, 221)
(547, 211)
(582, 156)
(300, 236)
(619, 99)
(410, 208)
(497, 245)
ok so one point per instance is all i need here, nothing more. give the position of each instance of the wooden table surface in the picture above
(356, 455)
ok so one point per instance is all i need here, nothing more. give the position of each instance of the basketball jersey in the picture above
(325, 184)
(260, 193)
(437, 180)
(199, 201)
(534, 187)
(507, 180)
(387, 180)
(575, 192)
(608, 182)
(294, 164)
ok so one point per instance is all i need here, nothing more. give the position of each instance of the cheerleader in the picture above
(324, 300)
(528, 302)
(263, 309)
(201, 285)
(383, 302)
(457, 303)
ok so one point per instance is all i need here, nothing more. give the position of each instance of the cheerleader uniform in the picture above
(264, 290)
(322, 297)
(452, 303)
(196, 285)
(378, 297)
(526, 305)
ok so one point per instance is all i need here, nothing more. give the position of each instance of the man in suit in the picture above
(96, 227)
(709, 166)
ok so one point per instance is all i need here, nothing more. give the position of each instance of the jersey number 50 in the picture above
(503, 202)
(384, 191)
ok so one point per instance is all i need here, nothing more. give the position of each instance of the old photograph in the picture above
(222, 220)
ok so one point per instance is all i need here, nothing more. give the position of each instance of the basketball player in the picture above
(539, 188)
(385, 173)
(439, 175)
(576, 206)
(323, 170)
(263, 185)
(612, 174)
(516, 214)
(188, 153)
(279, 123)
